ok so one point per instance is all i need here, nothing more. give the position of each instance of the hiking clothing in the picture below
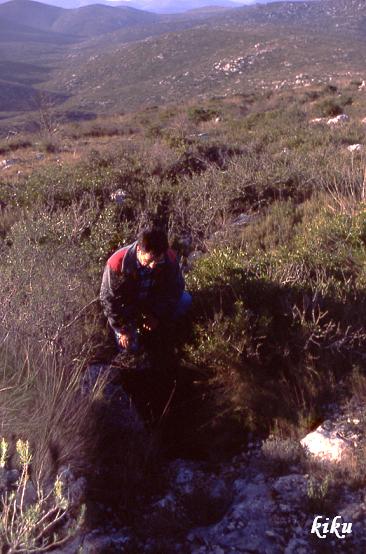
(183, 306)
(130, 290)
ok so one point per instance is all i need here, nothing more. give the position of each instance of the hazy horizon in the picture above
(165, 6)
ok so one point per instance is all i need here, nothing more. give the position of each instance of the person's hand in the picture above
(125, 340)
(150, 323)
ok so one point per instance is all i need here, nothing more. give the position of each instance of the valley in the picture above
(102, 60)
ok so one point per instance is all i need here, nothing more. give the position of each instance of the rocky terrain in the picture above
(263, 500)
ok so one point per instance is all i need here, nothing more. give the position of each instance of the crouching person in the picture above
(142, 290)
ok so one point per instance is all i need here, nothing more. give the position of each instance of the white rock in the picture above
(325, 445)
(7, 163)
(355, 147)
(317, 120)
(342, 118)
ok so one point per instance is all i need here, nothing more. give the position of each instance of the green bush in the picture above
(356, 82)
(333, 106)
(330, 89)
(198, 114)
(275, 228)
(257, 307)
(329, 107)
(14, 144)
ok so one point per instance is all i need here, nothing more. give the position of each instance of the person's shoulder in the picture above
(116, 260)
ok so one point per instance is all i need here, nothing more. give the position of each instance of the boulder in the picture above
(355, 147)
(203, 496)
(122, 412)
(338, 120)
(326, 444)
(291, 488)
(74, 487)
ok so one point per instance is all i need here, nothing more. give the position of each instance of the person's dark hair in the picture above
(153, 240)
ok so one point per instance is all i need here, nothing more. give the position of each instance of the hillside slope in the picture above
(35, 14)
(128, 58)
(85, 21)
(97, 19)
(208, 59)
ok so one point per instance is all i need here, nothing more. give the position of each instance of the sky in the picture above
(240, 2)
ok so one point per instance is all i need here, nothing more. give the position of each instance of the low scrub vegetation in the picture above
(274, 210)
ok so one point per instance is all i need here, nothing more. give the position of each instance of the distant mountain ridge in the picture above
(101, 59)
(229, 51)
(86, 21)
(34, 14)
(179, 6)
(99, 19)
(156, 6)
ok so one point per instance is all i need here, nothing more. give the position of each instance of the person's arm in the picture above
(120, 315)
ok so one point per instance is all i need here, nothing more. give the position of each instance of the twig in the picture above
(169, 402)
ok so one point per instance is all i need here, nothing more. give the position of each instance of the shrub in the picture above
(275, 228)
(283, 452)
(320, 495)
(311, 95)
(345, 100)
(200, 205)
(198, 114)
(255, 307)
(14, 144)
(356, 82)
(330, 88)
(329, 107)
(34, 526)
(52, 280)
(50, 146)
(332, 247)
(154, 130)
(107, 233)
